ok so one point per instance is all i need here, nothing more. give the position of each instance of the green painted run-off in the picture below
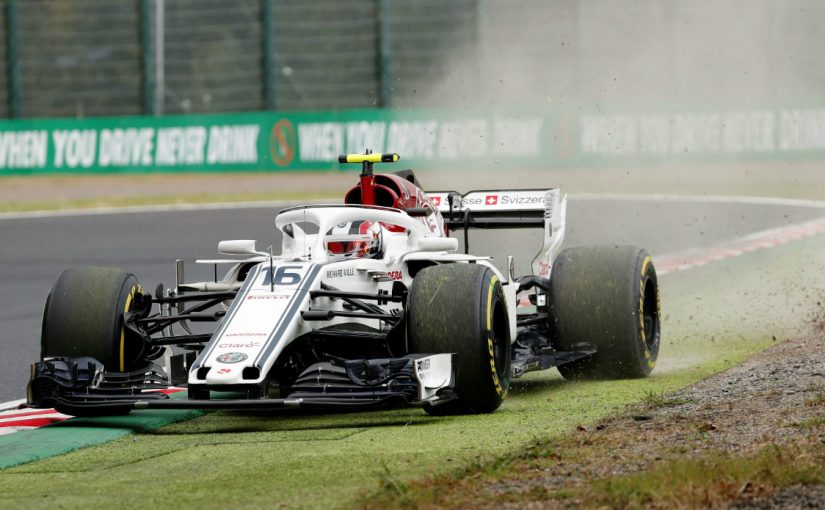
(30, 445)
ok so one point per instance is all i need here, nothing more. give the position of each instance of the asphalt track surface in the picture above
(33, 251)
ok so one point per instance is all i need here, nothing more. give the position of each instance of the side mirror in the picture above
(239, 247)
(438, 244)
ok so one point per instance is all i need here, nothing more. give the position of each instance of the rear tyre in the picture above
(607, 297)
(460, 308)
(84, 317)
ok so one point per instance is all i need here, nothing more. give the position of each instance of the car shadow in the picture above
(232, 422)
(526, 387)
(260, 421)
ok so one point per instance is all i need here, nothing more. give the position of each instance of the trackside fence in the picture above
(89, 58)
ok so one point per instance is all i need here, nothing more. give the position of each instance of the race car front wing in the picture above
(82, 387)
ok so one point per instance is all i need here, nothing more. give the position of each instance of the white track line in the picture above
(703, 199)
(11, 404)
(140, 209)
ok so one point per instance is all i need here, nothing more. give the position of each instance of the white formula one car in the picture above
(368, 304)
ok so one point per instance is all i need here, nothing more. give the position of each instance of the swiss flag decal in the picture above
(436, 201)
(491, 200)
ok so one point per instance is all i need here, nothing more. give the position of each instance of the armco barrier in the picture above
(271, 141)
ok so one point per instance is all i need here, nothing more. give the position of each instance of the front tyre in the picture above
(84, 317)
(606, 297)
(460, 308)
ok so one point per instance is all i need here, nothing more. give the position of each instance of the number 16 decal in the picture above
(284, 275)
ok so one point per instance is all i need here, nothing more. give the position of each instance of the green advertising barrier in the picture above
(259, 141)
(272, 141)
(131, 144)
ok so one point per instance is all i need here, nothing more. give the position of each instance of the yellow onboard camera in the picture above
(377, 157)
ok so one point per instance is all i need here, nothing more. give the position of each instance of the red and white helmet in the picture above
(362, 239)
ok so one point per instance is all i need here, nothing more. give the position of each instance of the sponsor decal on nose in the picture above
(241, 345)
(231, 357)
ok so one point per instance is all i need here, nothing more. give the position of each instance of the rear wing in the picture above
(526, 208)
(498, 208)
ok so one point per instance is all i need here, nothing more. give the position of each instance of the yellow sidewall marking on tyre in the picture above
(490, 346)
(643, 336)
(645, 264)
(129, 298)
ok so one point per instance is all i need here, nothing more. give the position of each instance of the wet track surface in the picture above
(34, 251)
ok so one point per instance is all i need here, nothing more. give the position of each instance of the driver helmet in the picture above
(361, 239)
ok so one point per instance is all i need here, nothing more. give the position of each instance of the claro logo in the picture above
(243, 345)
